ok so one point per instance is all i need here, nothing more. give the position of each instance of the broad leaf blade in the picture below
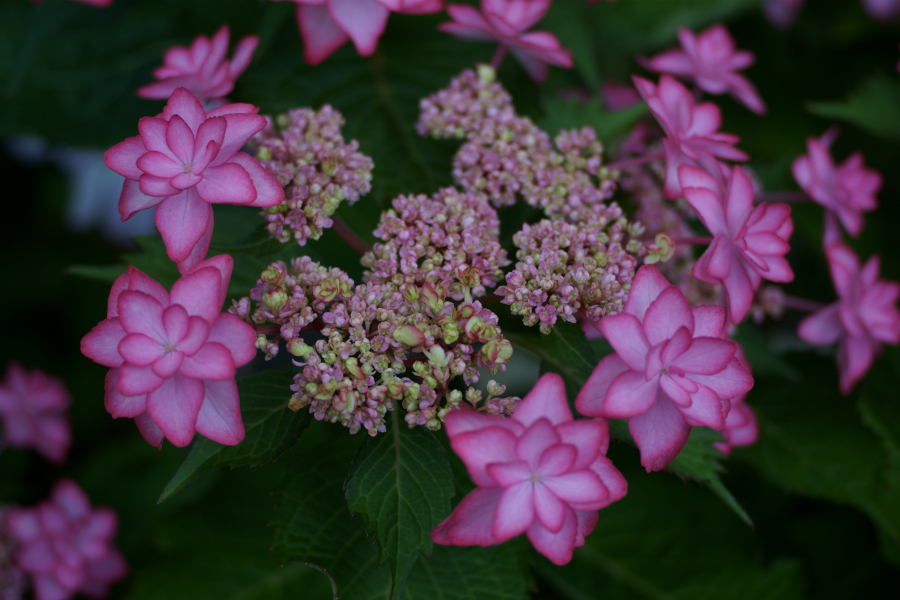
(401, 484)
(271, 431)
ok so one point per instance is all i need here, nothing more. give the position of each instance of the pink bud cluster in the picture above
(450, 238)
(508, 158)
(317, 169)
(566, 270)
(372, 334)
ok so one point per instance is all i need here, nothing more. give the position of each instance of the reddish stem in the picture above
(783, 197)
(267, 329)
(634, 162)
(346, 234)
(802, 304)
(690, 241)
(498, 57)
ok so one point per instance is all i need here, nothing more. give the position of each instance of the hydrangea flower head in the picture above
(506, 22)
(185, 160)
(173, 355)
(848, 189)
(202, 69)
(864, 317)
(692, 130)
(326, 25)
(671, 369)
(710, 59)
(33, 409)
(749, 243)
(66, 546)
(540, 473)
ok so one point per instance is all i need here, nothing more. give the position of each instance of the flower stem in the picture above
(634, 162)
(802, 304)
(783, 197)
(346, 234)
(498, 57)
(690, 241)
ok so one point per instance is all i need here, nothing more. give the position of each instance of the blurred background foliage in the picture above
(822, 486)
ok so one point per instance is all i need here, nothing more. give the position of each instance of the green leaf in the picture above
(401, 484)
(257, 244)
(567, 19)
(573, 114)
(104, 273)
(874, 106)
(271, 430)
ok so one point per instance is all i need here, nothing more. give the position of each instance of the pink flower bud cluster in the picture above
(451, 238)
(372, 334)
(12, 579)
(506, 157)
(565, 270)
(495, 404)
(317, 169)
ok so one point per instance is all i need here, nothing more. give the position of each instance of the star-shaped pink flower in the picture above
(66, 546)
(710, 59)
(749, 243)
(186, 159)
(506, 22)
(173, 355)
(33, 408)
(671, 369)
(864, 317)
(741, 427)
(540, 473)
(692, 130)
(202, 69)
(326, 25)
(848, 189)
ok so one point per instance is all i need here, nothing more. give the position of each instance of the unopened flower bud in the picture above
(409, 335)
(275, 298)
(297, 347)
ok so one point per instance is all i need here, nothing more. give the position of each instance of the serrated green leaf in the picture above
(401, 485)
(271, 430)
(874, 106)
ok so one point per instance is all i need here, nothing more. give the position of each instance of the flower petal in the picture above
(547, 399)
(268, 191)
(666, 315)
(626, 336)
(213, 361)
(101, 345)
(362, 20)
(138, 349)
(122, 158)
(646, 287)
(151, 432)
(236, 335)
(630, 394)
(590, 398)
(174, 407)
(140, 313)
(660, 433)
(182, 222)
(118, 404)
(220, 414)
(133, 200)
(481, 447)
(321, 35)
(226, 184)
(471, 522)
(199, 293)
(515, 511)
(137, 381)
(557, 546)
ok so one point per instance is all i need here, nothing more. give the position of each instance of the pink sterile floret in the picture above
(202, 69)
(506, 22)
(671, 369)
(66, 547)
(692, 130)
(33, 408)
(173, 355)
(741, 427)
(848, 189)
(864, 317)
(540, 473)
(186, 159)
(710, 59)
(326, 25)
(749, 244)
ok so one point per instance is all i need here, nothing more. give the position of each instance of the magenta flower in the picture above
(326, 25)
(173, 355)
(33, 407)
(692, 135)
(847, 189)
(741, 427)
(540, 473)
(506, 22)
(186, 159)
(671, 369)
(749, 244)
(66, 547)
(710, 59)
(864, 317)
(201, 69)
(882, 10)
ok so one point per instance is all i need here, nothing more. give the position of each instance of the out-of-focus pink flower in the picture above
(848, 189)
(782, 13)
(882, 10)
(618, 96)
(741, 427)
(66, 547)
(185, 160)
(173, 355)
(506, 22)
(864, 317)
(671, 369)
(540, 473)
(326, 25)
(692, 130)
(710, 59)
(33, 406)
(201, 69)
(749, 244)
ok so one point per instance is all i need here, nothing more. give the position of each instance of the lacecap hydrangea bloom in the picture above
(173, 355)
(540, 473)
(34, 412)
(65, 546)
(305, 152)
(671, 370)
